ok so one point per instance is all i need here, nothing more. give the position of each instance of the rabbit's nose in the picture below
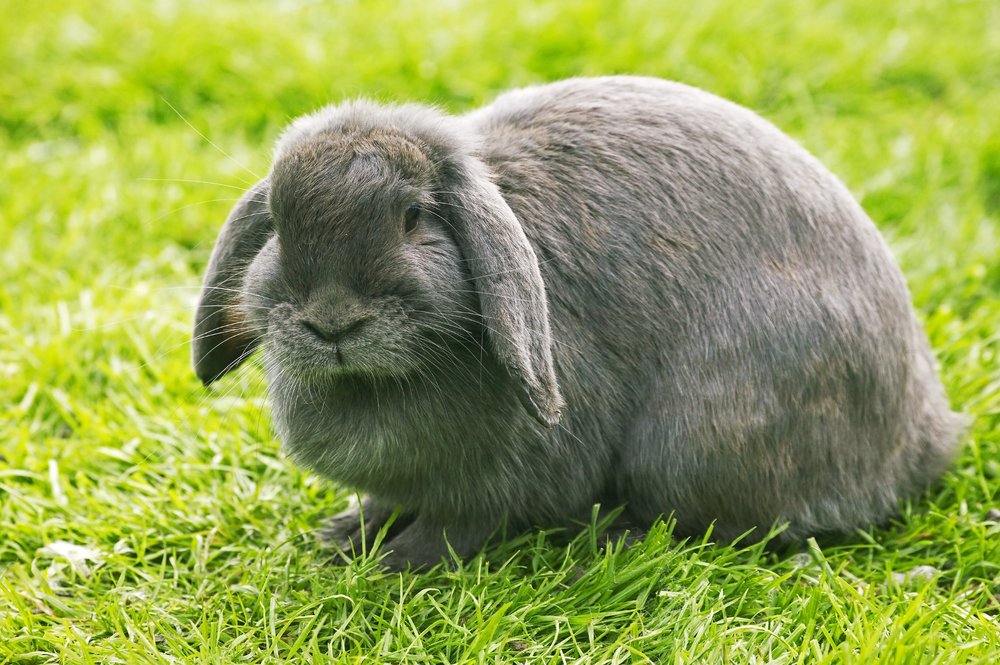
(333, 333)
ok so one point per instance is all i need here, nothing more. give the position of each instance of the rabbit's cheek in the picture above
(259, 292)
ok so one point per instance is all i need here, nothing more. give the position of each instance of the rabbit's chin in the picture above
(313, 364)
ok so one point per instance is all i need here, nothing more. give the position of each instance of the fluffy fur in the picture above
(615, 290)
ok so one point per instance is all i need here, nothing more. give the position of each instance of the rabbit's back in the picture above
(724, 315)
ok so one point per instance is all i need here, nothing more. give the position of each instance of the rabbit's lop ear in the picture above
(222, 339)
(511, 292)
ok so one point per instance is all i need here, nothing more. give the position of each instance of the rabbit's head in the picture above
(376, 243)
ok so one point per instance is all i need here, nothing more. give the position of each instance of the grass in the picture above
(144, 519)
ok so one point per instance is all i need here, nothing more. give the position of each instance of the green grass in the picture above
(200, 533)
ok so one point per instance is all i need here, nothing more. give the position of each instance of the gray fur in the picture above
(733, 340)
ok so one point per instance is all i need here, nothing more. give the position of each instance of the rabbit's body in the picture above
(730, 334)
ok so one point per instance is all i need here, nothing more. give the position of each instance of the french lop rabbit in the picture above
(618, 290)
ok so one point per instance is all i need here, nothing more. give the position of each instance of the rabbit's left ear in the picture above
(510, 288)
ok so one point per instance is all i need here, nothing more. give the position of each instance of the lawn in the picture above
(145, 519)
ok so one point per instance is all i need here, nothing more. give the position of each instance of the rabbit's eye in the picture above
(411, 218)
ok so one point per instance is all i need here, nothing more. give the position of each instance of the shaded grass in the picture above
(201, 534)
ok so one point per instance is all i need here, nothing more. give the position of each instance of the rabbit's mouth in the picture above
(369, 347)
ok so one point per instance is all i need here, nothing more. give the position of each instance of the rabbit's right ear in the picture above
(222, 339)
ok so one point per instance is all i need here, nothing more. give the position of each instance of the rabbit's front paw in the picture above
(353, 531)
(422, 545)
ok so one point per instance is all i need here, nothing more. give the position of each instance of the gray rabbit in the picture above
(617, 290)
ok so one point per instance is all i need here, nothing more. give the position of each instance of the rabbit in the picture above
(620, 291)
